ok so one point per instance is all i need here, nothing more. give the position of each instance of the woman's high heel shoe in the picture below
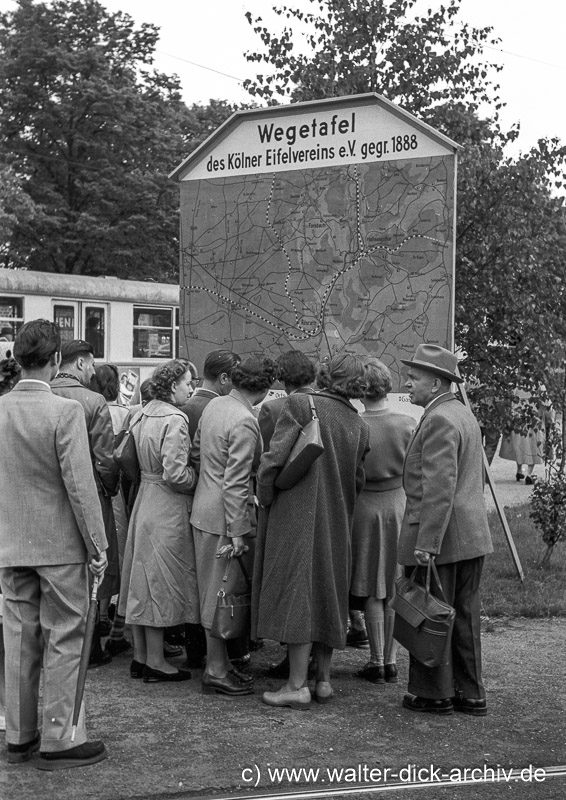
(519, 476)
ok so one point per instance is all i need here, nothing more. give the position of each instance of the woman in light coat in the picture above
(159, 581)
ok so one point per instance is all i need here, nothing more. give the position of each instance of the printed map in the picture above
(356, 258)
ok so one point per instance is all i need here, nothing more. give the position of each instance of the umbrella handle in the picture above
(95, 584)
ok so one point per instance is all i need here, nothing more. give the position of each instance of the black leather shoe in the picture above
(530, 480)
(136, 669)
(356, 638)
(391, 673)
(156, 676)
(229, 685)
(415, 703)
(80, 756)
(99, 658)
(20, 753)
(117, 646)
(374, 673)
(519, 476)
(477, 707)
(172, 650)
(240, 675)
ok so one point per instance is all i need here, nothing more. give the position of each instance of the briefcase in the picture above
(423, 623)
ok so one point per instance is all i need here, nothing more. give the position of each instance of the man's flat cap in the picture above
(76, 347)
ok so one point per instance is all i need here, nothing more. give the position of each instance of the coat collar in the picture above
(31, 386)
(160, 408)
(437, 402)
(343, 400)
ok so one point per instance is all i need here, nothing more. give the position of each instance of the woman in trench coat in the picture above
(159, 580)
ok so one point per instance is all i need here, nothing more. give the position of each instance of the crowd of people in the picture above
(385, 494)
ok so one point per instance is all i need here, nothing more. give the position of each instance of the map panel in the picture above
(356, 257)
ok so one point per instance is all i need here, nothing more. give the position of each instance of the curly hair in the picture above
(295, 369)
(9, 374)
(378, 379)
(254, 374)
(165, 376)
(343, 375)
(106, 381)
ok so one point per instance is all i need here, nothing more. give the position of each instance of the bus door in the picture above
(95, 326)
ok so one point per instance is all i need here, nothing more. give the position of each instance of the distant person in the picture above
(530, 448)
(72, 381)
(95, 336)
(377, 521)
(51, 526)
(445, 520)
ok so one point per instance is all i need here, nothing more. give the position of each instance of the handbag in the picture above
(423, 623)
(233, 611)
(125, 454)
(305, 452)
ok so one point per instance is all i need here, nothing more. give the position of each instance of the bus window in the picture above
(11, 317)
(153, 333)
(64, 317)
(95, 329)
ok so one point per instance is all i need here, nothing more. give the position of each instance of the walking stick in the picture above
(85, 655)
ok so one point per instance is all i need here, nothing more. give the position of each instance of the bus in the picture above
(132, 324)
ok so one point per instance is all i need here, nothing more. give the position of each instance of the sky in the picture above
(214, 34)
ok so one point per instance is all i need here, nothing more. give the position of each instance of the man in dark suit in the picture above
(446, 520)
(50, 527)
(217, 382)
(72, 381)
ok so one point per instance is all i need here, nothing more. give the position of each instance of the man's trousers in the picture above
(45, 611)
(462, 676)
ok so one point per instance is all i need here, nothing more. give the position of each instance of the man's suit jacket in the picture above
(194, 407)
(49, 507)
(443, 481)
(100, 431)
(226, 449)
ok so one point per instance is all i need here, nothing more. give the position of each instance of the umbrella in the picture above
(85, 655)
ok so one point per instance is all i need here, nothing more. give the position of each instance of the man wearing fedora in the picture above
(445, 520)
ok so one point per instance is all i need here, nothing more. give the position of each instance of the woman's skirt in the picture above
(375, 535)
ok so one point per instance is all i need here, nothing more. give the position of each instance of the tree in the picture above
(94, 131)
(510, 300)
(15, 204)
(357, 46)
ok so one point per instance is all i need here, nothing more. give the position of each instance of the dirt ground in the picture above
(169, 741)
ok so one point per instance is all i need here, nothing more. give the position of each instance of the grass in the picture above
(543, 592)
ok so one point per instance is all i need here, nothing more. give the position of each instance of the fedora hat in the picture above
(436, 359)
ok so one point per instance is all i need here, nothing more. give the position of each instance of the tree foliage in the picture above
(94, 131)
(510, 301)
